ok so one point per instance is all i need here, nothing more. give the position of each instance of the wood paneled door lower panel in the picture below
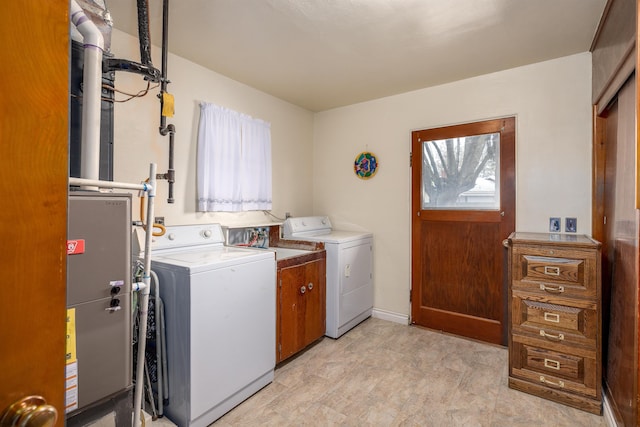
(457, 230)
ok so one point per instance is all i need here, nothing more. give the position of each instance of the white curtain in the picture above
(233, 162)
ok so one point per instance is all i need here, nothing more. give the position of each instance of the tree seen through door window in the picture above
(461, 173)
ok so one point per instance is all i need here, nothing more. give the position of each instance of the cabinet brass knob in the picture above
(303, 289)
(310, 286)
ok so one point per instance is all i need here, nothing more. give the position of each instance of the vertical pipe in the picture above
(164, 128)
(91, 92)
(144, 300)
(171, 172)
(143, 32)
(165, 47)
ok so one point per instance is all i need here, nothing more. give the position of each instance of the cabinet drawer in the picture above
(555, 271)
(554, 322)
(554, 369)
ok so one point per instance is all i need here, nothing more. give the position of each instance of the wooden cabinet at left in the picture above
(301, 310)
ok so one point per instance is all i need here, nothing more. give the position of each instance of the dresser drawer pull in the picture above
(546, 381)
(552, 289)
(552, 364)
(552, 317)
(552, 337)
(551, 271)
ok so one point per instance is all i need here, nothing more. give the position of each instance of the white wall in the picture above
(551, 102)
(138, 142)
(313, 154)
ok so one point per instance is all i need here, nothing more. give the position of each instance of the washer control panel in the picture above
(178, 236)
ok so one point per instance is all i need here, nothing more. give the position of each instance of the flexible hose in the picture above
(144, 227)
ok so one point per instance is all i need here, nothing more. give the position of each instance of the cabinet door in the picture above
(291, 310)
(315, 301)
(301, 306)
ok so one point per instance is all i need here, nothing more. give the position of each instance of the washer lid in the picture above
(200, 259)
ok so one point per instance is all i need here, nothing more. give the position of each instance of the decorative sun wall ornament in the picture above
(366, 165)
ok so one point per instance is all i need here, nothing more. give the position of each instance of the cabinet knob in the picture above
(310, 286)
(303, 289)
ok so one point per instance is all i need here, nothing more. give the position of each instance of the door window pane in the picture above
(461, 173)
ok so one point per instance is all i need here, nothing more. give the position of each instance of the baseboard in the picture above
(390, 316)
(607, 412)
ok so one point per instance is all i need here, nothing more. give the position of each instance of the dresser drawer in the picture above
(553, 369)
(554, 322)
(555, 271)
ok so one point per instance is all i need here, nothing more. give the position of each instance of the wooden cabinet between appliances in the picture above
(301, 310)
(555, 318)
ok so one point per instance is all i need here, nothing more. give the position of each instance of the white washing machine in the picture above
(220, 321)
(349, 270)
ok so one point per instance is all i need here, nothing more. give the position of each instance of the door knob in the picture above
(32, 411)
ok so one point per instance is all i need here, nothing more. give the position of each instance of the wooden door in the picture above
(616, 225)
(463, 207)
(33, 160)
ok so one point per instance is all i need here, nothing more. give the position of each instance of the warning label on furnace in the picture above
(71, 386)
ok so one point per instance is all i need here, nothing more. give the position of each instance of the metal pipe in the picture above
(171, 173)
(91, 91)
(144, 300)
(164, 128)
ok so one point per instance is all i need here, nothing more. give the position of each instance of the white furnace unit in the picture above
(220, 321)
(349, 270)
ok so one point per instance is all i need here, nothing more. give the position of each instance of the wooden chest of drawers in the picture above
(555, 343)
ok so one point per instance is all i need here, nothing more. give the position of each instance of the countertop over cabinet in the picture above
(301, 295)
(555, 345)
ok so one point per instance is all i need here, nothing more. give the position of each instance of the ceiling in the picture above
(321, 54)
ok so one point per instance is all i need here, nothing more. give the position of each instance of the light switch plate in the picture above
(554, 224)
(570, 225)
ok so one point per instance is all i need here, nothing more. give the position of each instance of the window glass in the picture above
(461, 173)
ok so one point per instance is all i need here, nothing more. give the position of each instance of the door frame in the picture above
(507, 184)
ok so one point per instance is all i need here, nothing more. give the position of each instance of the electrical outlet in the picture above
(570, 225)
(287, 215)
(554, 224)
(159, 220)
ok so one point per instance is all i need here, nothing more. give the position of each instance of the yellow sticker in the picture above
(167, 105)
(71, 336)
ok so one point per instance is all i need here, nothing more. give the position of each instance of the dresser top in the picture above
(553, 238)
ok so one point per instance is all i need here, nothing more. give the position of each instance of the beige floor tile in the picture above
(386, 374)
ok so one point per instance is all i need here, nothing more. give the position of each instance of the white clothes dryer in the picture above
(220, 321)
(349, 270)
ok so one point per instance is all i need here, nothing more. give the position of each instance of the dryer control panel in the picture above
(306, 224)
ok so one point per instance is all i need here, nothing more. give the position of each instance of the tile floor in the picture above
(386, 374)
